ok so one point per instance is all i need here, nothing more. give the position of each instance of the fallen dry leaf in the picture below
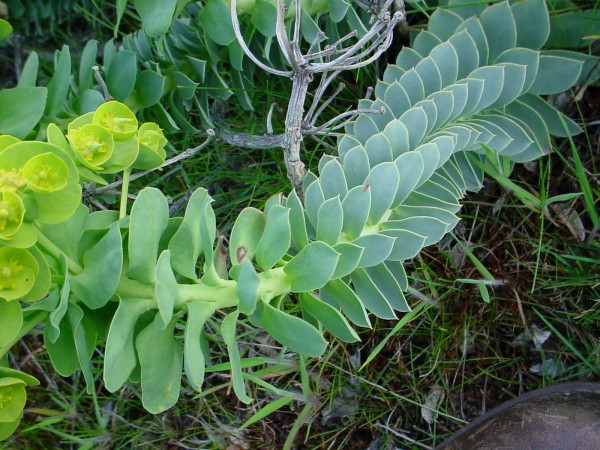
(568, 216)
(432, 403)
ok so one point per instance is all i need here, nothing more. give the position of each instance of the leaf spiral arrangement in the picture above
(466, 95)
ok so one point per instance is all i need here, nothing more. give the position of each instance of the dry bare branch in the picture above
(361, 53)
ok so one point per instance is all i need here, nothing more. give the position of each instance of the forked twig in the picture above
(329, 62)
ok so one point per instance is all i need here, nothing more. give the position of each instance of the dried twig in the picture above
(249, 54)
(175, 159)
(329, 62)
(349, 115)
(102, 83)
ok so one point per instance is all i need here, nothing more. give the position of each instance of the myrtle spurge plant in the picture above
(154, 289)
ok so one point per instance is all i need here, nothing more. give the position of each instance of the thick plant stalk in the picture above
(293, 130)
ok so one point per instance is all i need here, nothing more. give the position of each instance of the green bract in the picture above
(11, 321)
(7, 428)
(12, 212)
(11, 180)
(152, 147)
(12, 402)
(45, 178)
(6, 140)
(5, 29)
(18, 269)
(12, 399)
(118, 119)
(92, 144)
(46, 173)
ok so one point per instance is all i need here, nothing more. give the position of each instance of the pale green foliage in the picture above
(465, 82)
(19, 121)
(12, 399)
(394, 188)
(201, 46)
(471, 81)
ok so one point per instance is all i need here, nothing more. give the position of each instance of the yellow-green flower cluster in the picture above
(92, 144)
(18, 271)
(46, 173)
(39, 184)
(12, 402)
(12, 211)
(11, 180)
(12, 399)
(108, 140)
